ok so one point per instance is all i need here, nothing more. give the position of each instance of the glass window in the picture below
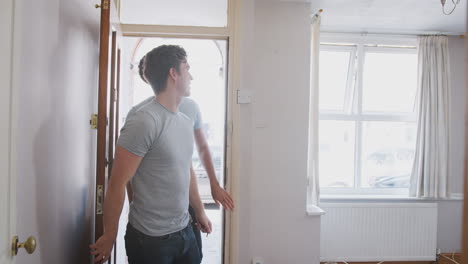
(336, 153)
(367, 127)
(387, 154)
(389, 82)
(333, 79)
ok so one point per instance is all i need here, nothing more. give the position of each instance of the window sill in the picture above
(313, 210)
(383, 198)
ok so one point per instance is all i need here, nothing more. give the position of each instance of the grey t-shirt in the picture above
(161, 183)
(187, 106)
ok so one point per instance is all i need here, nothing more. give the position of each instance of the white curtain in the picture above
(429, 176)
(312, 168)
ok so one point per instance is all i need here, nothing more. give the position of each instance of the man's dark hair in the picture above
(158, 62)
(141, 69)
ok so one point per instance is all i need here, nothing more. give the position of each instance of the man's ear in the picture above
(173, 73)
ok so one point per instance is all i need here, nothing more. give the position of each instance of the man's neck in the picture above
(168, 100)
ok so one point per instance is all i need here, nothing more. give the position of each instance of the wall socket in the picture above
(257, 260)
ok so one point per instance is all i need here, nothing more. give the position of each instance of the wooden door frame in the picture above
(109, 26)
(112, 123)
(102, 117)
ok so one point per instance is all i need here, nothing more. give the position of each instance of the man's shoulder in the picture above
(189, 107)
(147, 113)
(140, 105)
(188, 103)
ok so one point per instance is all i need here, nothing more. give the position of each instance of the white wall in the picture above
(449, 227)
(57, 89)
(244, 181)
(272, 201)
(451, 212)
(457, 114)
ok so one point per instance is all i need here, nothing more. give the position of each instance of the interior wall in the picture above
(274, 134)
(244, 181)
(274, 65)
(57, 42)
(450, 212)
(457, 114)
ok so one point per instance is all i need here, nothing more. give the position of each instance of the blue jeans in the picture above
(176, 248)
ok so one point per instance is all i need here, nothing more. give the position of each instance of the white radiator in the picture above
(379, 232)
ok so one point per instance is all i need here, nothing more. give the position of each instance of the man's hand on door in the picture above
(102, 249)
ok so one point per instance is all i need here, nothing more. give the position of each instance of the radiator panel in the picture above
(379, 232)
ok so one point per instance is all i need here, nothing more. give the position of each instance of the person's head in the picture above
(166, 64)
(141, 69)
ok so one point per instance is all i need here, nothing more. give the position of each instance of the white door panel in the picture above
(6, 196)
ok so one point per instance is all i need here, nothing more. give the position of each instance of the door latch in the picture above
(99, 199)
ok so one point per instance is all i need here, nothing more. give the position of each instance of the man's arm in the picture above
(125, 166)
(129, 192)
(220, 195)
(203, 222)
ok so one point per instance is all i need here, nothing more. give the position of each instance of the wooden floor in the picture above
(444, 259)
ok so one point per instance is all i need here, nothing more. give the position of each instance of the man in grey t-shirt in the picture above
(190, 108)
(154, 152)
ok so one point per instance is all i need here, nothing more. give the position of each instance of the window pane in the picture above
(389, 82)
(336, 153)
(204, 13)
(387, 154)
(333, 75)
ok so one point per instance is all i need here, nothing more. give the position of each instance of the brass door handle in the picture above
(29, 245)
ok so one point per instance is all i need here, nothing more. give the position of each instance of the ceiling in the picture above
(391, 16)
(371, 16)
(207, 13)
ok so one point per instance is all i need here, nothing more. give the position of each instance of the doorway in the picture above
(208, 66)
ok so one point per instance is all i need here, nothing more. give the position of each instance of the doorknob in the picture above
(29, 245)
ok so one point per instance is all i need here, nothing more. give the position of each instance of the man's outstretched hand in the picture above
(102, 249)
(221, 197)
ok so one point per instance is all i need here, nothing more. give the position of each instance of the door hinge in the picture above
(99, 199)
(93, 121)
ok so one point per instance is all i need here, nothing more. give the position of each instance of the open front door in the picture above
(107, 116)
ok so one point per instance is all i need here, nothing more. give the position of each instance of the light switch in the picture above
(244, 97)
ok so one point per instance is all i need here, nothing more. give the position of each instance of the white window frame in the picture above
(358, 45)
